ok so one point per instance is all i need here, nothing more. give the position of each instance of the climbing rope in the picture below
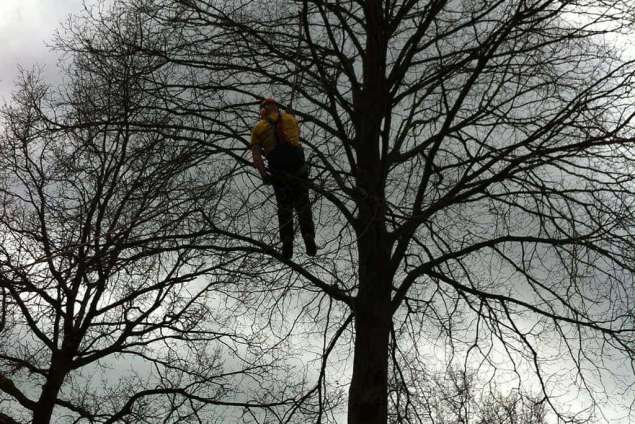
(298, 75)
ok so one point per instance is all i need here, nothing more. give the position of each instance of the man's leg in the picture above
(284, 201)
(305, 215)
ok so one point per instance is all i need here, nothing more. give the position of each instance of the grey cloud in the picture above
(26, 28)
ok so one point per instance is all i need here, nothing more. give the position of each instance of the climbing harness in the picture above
(285, 157)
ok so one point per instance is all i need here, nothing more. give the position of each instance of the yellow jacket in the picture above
(263, 133)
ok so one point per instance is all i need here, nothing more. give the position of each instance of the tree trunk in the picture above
(46, 403)
(368, 394)
(368, 402)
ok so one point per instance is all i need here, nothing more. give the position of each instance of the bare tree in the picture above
(473, 162)
(111, 279)
(457, 397)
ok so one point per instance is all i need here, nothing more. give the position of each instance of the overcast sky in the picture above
(26, 27)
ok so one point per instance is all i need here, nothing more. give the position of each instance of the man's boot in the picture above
(287, 251)
(311, 248)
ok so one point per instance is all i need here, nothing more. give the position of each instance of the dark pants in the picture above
(289, 176)
(292, 193)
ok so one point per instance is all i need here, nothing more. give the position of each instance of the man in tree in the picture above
(277, 136)
(476, 162)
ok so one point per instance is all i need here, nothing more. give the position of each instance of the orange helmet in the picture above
(268, 101)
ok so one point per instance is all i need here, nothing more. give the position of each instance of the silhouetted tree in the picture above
(473, 162)
(111, 282)
(457, 397)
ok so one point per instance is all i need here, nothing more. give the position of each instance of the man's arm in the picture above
(256, 150)
(293, 128)
(257, 158)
